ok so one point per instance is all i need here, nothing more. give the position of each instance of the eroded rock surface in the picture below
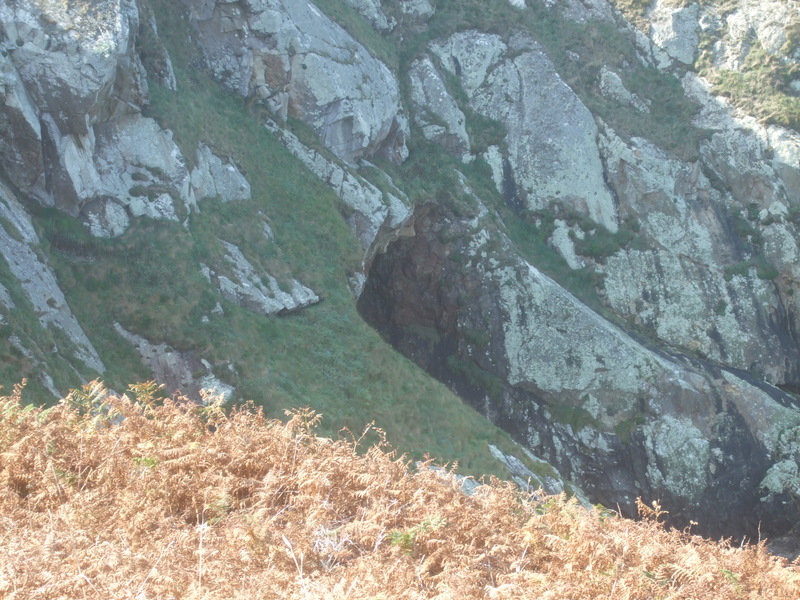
(215, 177)
(292, 57)
(72, 132)
(675, 29)
(607, 411)
(182, 372)
(551, 135)
(373, 12)
(435, 110)
(259, 292)
(687, 287)
(18, 246)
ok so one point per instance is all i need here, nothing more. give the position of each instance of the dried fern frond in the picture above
(140, 496)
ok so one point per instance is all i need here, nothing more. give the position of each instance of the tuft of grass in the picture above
(761, 88)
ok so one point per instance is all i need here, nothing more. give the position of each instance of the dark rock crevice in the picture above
(427, 294)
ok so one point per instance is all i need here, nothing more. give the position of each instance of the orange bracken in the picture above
(125, 496)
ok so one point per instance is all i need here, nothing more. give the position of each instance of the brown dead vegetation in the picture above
(129, 497)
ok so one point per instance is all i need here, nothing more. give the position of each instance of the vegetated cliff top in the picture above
(127, 496)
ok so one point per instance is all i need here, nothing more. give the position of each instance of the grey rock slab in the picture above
(680, 288)
(81, 69)
(420, 10)
(38, 280)
(214, 177)
(551, 135)
(762, 22)
(675, 29)
(612, 87)
(373, 12)
(527, 479)
(139, 165)
(258, 292)
(105, 217)
(292, 57)
(20, 131)
(182, 372)
(435, 110)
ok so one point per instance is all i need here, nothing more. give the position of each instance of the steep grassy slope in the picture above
(325, 357)
(123, 497)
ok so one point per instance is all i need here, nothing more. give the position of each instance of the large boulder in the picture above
(73, 134)
(297, 61)
(435, 110)
(219, 178)
(550, 134)
(675, 29)
(71, 64)
(76, 60)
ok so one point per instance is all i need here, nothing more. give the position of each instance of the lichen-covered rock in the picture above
(128, 167)
(73, 135)
(751, 23)
(693, 287)
(419, 10)
(612, 87)
(139, 162)
(65, 67)
(551, 135)
(373, 12)
(581, 11)
(259, 292)
(19, 248)
(678, 455)
(562, 241)
(183, 372)
(435, 110)
(618, 418)
(20, 132)
(214, 177)
(299, 62)
(675, 29)
(83, 68)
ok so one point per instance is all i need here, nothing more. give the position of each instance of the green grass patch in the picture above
(575, 416)
(761, 88)
(764, 269)
(477, 377)
(324, 357)
(625, 429)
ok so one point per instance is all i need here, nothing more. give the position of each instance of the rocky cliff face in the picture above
(555, 214)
